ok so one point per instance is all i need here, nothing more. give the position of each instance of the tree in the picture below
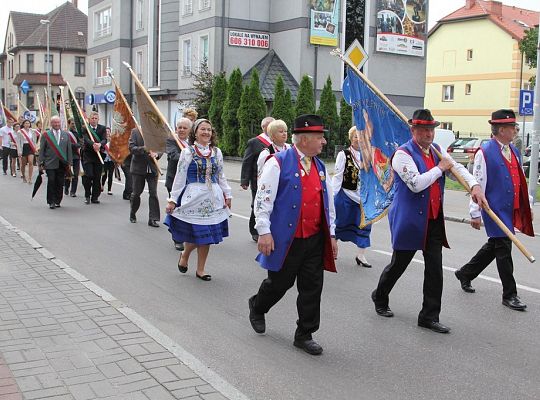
(345, 120)
(305, 102)
(203, 83)
(219, 94)
(251, 111)
(283, 108)
(328, 112)
(528, 46)
(355, 17)
(230, 136)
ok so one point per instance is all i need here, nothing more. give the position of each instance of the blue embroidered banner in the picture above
(380, 132)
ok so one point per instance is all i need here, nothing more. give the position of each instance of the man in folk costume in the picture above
(497, 167)
(248, 175)
(294, 211)
(55, 157)
(416, 217)
(91, 164)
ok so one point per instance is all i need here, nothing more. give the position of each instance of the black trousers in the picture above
(128, 184)
(304, 263)
(92, 179)
(433, 276)
(55, 184)
(499, 249)
(108, 174)
(70, 185)
(138, 187)
(252, 229)
(5, 158)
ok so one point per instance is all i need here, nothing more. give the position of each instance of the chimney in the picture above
(75, 3)
(469, 4)
(495, 8)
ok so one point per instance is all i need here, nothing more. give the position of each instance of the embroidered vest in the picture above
(350, 174)
(309, 222)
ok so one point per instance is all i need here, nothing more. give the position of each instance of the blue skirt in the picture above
(197, 234)
(348, 221)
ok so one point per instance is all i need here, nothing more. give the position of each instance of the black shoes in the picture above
(310, 346)
(179, 246)
(52, 206)
(255, 238)
(87, 200)
(514, 303)
(363, 264)
(132, 219)
(435, 326)
(57, 205)
(465, 283)
(205, 277)
(66, 191)
(153, 223)
(382, 310)
(73, 195)
(95, 201)
(257, 320)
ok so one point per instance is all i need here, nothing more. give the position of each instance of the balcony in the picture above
(102, 80)
(99, 33)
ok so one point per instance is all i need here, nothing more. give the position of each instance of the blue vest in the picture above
(286, 212)
(197, 168)
(499, 188)
(408, 213)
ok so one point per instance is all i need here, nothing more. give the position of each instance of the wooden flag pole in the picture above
(386, 100)
(132, 116)
(85, 122)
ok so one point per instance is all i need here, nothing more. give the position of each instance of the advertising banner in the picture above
(324, 22)
(402, 26)
(249, 39)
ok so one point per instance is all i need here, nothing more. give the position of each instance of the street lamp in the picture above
(48, 23)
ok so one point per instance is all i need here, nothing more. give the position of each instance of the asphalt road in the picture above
(492, 352)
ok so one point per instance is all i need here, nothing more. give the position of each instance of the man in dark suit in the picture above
(55, 156)
(248, 176)
(75, 141)
(92, 166)
(143, 168)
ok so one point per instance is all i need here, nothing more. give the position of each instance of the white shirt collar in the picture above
(265, 136)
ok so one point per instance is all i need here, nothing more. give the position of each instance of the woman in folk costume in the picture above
(26, 149)
(198, 209)
(347, 201)
(277, 131)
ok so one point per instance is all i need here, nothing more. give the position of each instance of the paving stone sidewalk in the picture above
(61, 340)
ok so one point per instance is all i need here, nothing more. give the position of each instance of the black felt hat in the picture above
(308, 123)
(423, 118)
(503, 117)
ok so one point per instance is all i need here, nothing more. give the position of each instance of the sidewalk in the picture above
(63, 337)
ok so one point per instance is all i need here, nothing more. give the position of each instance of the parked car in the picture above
(463, 149)
(527, 160)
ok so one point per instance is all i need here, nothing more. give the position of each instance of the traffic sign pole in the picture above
(533, 168)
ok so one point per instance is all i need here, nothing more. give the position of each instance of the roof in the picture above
(39, 79)
(269, 68)
(66, 21)
(513, 20)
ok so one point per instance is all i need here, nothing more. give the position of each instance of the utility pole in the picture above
(533, 174)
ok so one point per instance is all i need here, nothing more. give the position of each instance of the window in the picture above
(204, 5)
(80, 66)
(186, 70)
(49, 63)
(79, 96)
(203, 50)
(448, 93)
(139, 15)
(469, 54)
(102, 23)
(139, 64)
(446, 125)
(30, 63)
(30, 100)
(467, 89)
(188, 7)
(101, 77)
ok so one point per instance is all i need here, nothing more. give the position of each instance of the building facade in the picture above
(475, 65)
(25, 56)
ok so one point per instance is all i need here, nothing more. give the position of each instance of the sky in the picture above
(437, 9)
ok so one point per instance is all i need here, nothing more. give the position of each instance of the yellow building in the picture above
(474, 65)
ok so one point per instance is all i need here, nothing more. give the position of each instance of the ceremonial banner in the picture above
(8, 114)
(122, 124)
(380, 131)
(77, 118)
(42, 113)
(62, 111)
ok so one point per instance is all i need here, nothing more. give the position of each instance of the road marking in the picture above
(484, 277)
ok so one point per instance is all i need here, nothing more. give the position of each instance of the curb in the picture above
(189, 360)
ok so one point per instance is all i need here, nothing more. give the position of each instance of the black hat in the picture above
(308, 123)
(424, 118)
(503, 117)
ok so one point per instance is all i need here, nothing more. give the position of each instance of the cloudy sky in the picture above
(437, 9)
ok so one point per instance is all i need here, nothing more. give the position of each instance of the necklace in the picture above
(199, 162)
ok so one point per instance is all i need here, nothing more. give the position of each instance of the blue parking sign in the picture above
(526, 102)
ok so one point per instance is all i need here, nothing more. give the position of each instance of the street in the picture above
(492, 352)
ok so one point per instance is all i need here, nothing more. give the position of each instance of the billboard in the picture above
(324, 22)
(249, 39)
(402, 26)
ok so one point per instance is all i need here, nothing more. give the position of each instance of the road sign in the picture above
(30, 116)
(25, 86)
(356, 54)
(110, 96)
(526, 102)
